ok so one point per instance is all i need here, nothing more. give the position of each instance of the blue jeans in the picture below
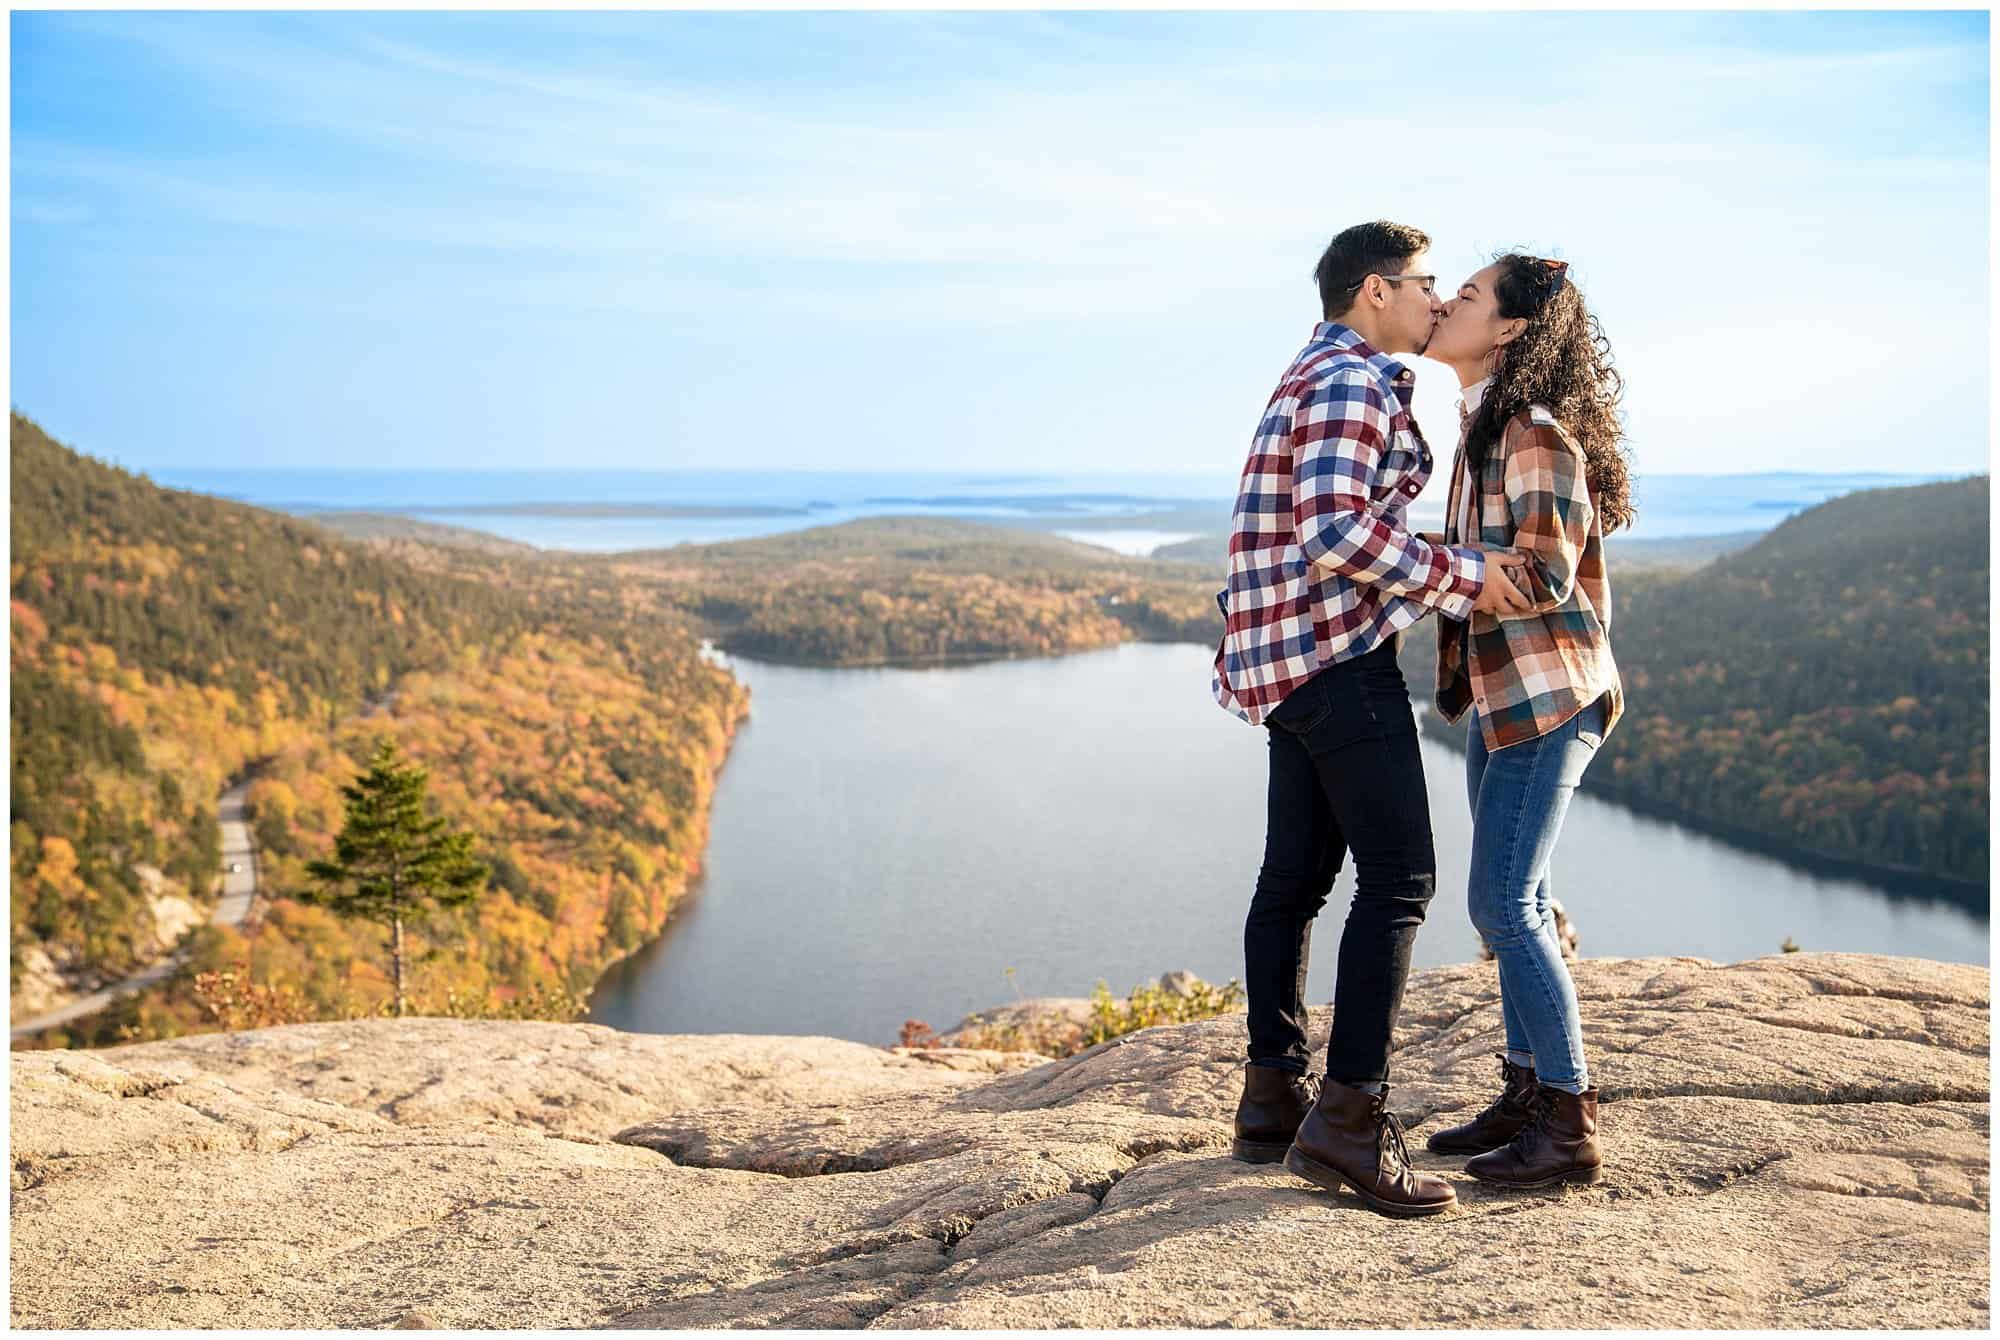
(1519, 797)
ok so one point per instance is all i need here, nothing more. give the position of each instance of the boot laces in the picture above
(1542, 1110)
(1509, 1086)
(1389, 1134)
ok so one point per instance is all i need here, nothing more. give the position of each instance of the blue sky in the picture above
(1051, 242)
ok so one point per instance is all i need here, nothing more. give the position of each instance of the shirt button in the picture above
(1412, 488)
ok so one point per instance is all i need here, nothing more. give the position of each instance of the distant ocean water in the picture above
(1132, 513)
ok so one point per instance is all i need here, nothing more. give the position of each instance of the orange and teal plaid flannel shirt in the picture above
(1528, 673)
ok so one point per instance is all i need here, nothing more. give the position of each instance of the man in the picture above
(1323, 575)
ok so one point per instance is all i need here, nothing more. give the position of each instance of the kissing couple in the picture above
(1324, 575)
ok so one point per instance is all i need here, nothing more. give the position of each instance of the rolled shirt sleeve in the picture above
(1548, 500)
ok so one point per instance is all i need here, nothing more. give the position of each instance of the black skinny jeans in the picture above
(1346, 775)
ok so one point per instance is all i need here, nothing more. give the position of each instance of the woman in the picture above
(1541, 467)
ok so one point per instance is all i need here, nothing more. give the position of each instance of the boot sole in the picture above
(1257, 1151)
(1332, 1179)
(1579, 1176)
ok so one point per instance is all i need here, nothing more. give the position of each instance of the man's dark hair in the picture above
(1378, 248)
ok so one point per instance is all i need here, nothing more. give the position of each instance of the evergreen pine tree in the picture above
(391, 861)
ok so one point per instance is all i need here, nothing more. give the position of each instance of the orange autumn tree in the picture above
(392, 862)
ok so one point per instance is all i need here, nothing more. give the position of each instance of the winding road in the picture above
(239, 892)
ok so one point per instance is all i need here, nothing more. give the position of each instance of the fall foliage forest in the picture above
(878, 591)
(164, 642)
(1821, 691)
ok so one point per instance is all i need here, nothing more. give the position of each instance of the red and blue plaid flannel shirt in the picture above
(1322, 565)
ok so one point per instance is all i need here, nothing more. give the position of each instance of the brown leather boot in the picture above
(1274, 1102)
(1350, 1137)
(1500, 1122)
(1559, 1144)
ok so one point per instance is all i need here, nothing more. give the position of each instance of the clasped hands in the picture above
(1498, 595)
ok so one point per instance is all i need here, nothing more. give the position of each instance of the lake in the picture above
(886, 844)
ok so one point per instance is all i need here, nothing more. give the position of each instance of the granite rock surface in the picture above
(1795, 1141)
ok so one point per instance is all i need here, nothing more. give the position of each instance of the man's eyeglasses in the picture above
(1428, 283)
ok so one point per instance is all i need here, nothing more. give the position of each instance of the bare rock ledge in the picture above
(1795, 1141)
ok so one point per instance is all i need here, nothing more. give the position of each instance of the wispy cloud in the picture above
(966, 176)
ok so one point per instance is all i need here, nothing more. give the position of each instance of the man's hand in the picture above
(1499, 596)
(1506, 558)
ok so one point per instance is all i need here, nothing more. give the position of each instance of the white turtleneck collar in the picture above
(1473, 394)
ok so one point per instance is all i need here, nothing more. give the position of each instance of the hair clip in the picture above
(1560, 269)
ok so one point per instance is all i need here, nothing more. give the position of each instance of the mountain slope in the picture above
(1824, 690)
(164, 641)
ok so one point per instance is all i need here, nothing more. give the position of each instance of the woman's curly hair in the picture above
(1562, 361)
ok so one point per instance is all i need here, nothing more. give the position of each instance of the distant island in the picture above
(1045, 501)
(593, 509)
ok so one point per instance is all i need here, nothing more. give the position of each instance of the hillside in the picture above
(889, 590)
(908, 590)
(1823, 691)
(1799, 1141)
(1768, 705)
(165, 642)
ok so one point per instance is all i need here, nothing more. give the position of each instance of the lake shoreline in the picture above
(1970, 895)
(926, 905)
(1905, 881)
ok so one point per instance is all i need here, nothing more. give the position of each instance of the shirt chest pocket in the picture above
(1404, 467)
